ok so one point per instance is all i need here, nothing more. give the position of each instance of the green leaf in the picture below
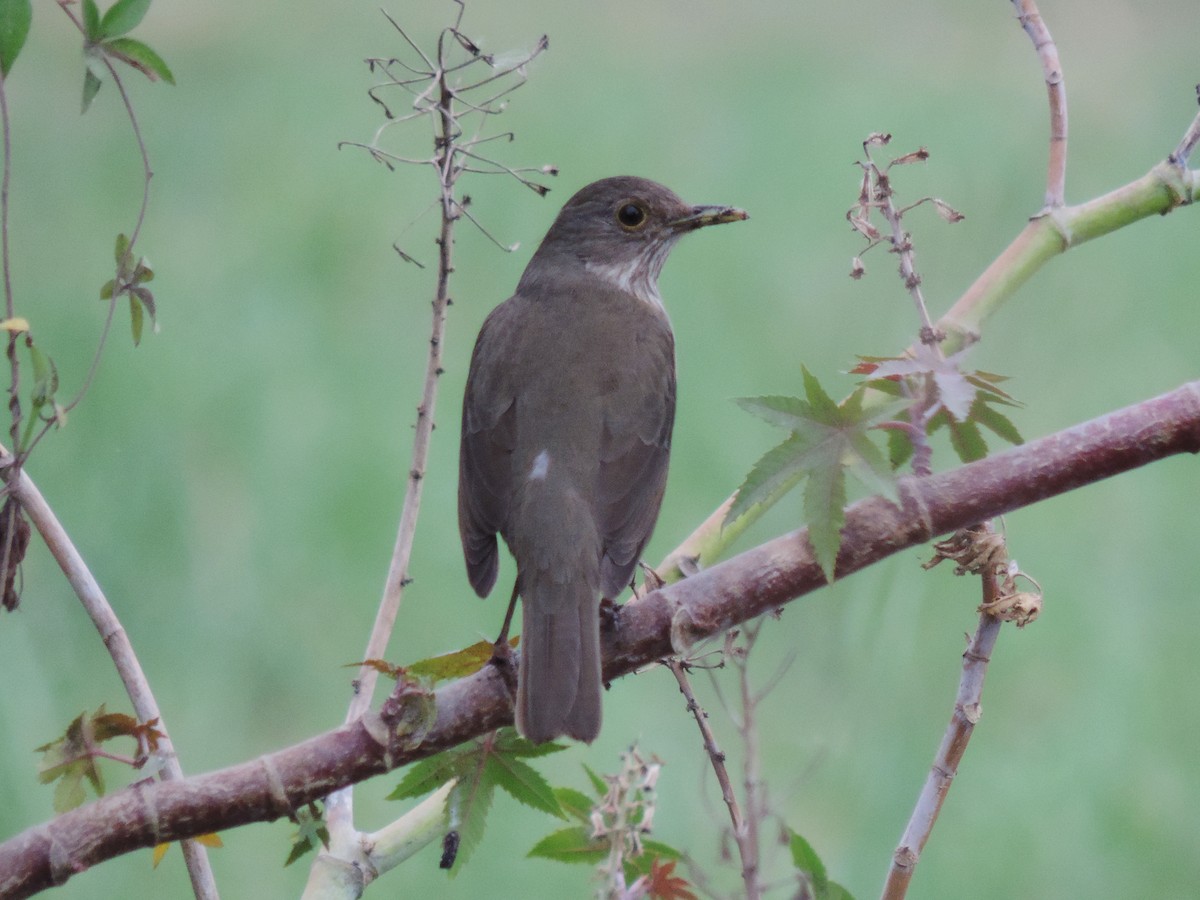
(576, 804)
(827, 438)
(571, 845)
(824, 510)
(997, 422)
(91, 20)
(15, 19)
(525, 784)
(967, 441)
(467, 807)
(599, 785)
(122, 17)
(45, 377)
(805, 858)
(134, 53)
(429, 774)
(91, 84)
(777, 471)
(786, 412)
(135, 319)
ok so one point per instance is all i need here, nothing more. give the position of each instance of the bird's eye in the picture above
(631, 215)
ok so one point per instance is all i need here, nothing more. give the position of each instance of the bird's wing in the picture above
(634, 448)
(485, 453)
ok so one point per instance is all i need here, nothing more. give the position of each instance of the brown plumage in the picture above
(566, 434)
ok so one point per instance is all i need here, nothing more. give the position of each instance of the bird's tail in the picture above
(559, 688)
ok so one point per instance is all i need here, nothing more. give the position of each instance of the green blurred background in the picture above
(235, 481)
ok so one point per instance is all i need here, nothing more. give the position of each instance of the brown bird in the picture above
(566, 432)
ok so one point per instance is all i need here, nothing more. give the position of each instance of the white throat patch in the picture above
(637, 276)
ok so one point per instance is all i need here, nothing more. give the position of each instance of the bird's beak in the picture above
(708, 215)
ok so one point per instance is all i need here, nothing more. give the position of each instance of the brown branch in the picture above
(649, 629)
(717, 758)
(1056, 90)
(967, 708)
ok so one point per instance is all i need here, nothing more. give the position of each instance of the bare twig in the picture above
(1056, 89)
(967, 710)
(715, 756)
(1180, 155)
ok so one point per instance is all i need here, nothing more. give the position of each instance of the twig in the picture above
(756, 804)
(1180, 155)
(958, 733)
(1056, 168)
(715, 755)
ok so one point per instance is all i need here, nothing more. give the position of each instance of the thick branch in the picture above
(648, 629)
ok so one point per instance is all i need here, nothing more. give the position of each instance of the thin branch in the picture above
(967, 710)
(1181, 154)
(1056, 89)
(716, 757)
(657, 625)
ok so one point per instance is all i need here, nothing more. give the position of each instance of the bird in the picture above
(566, 434)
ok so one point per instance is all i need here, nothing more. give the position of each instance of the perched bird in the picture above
(566, 431)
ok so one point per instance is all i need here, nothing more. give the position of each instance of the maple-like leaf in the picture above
(478, 768)
(663, 884)
(826, 439)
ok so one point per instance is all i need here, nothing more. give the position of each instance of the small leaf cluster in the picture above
(73, 758)
(130, 281)
(960, 401)
(105, 40)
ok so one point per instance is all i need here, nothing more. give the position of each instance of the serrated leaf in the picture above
(508, 741)
(429, 774)
(576, 804)
(900, 448)
(997, 422)
(524, 784)
(870, 467)
(91, 20)
(122, 17)
(91, 84)
(824, 511)
(467, 807)
(15, 19)
(134, 53)
(777, 471)
(967, 441)
(571, 845)
(786, 412)
(599, 785)
(822, 404)
(663, 884)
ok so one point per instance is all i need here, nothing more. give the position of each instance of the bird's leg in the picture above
(501, 647)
